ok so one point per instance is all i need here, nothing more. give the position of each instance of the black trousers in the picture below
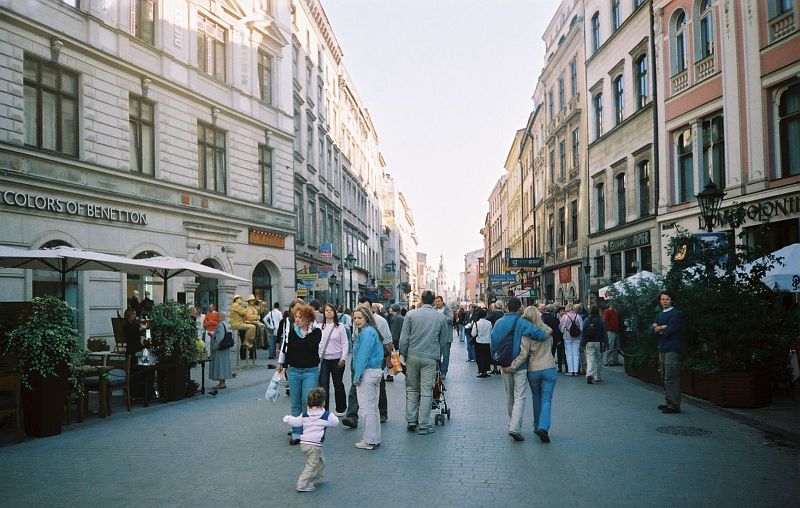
(482, 357)
(330, 369)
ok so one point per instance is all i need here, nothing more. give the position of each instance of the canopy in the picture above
(618, 288)
(784, 275)
(165, 268)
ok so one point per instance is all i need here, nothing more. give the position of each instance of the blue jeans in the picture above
(301, 381)
(445, 359)
(542, 382)
(470, 350)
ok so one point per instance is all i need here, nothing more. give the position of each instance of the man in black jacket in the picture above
(551, 319)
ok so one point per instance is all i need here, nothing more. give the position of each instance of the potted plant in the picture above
(48, 347)
(636, 305)
(173, 332)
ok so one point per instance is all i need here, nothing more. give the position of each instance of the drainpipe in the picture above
(655, 172)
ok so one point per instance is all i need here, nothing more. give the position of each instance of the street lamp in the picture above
(710, 199)
(331, 286)
(587, 269)
(350, 262)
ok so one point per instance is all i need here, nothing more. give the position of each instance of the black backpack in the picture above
(591, 331)
(574, 329)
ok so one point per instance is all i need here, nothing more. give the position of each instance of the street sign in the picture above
(502, 277)
(307, 276)
(526, 262)
(301, 292)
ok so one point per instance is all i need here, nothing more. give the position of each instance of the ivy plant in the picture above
(173, 332)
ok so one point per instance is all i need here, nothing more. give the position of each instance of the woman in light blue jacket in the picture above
(367, 373)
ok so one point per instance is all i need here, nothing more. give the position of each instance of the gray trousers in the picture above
(671, 377)
(420, 377)
(612, 355)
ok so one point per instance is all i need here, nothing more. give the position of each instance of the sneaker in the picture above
(365, 446)
(411, 427)
(544, 437)
(384, 418)
(390, 379)
(350, 422)
(308, 487)
(671, 410)
(294, 442)
(517, 436)
(424, 432)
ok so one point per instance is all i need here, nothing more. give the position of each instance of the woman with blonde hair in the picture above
(541, 368)
(367, 374)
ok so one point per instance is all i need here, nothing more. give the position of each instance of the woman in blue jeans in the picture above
(541, 369)
(300, 351)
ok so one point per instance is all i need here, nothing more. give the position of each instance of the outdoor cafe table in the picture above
(103, 355)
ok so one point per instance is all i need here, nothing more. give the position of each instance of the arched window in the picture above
(643, 170)
(679, 43)
(640, 69)
(207, 292)
(789, 131)
(572, 297)
(145, 284)
(561, 296)
(619, 99)
(595, 32)
(262, 283)
(706, 29)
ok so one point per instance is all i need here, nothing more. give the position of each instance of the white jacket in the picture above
(313, 424)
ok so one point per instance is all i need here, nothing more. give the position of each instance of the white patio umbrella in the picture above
(619, 287)
(783, 276)
(165, 268)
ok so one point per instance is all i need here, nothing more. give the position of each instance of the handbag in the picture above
(227, 340)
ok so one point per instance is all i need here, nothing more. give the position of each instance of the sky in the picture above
(447, 84)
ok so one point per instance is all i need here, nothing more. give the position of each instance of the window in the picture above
(780, 7)
(51, 107)
(573, 221)
(298, 127)
(550, 233)
(265, 170)
(643, 168)
(329, 161)
(706, 48)
(600, 266)
(713, 160)
(312, 221)
(211, 157)
(211, 48)
(309, 74)
(552, 166)
(630, 262)
(573, 77)
(576, 144)
(789, 131)
(561, 93)
(562, 157)
(600, 194)
(619, 100)
(597, 102)
(685, 166)
(621, 208)
(310, 142)
(298, 205)
(616, 266)
(637, 3)
(143, 20)
(550, 104)
(296, 63)
(646, 258)
(265, 76)
(616, 17)
(595, 32)
(640, 68)
(141, 137)
(562, 230)
(321, 166)
(680, 43)
(320, 98)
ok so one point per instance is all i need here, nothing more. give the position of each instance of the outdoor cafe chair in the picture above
(118, 325)
(119, 378)
(10, 401)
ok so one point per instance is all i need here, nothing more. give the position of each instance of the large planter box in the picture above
(172, 381)
(741, 389)
(43, 404)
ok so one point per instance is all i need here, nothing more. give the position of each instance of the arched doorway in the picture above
(207, 292)
(572, 298)
(48, 283)
(145, 284)
(262, 283)
(561, 296)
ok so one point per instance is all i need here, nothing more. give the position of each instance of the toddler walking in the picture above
(314, 421)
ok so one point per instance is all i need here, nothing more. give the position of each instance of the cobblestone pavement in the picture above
(609, 448)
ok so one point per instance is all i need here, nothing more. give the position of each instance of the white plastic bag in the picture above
(275, 386)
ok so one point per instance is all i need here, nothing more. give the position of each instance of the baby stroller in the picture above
(440, 401)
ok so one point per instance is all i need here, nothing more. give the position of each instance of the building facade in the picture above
(146, 128)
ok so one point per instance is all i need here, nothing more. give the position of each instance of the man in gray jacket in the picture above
(438, 304)
(425, 334)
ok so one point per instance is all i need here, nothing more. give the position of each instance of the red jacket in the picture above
(612, 320)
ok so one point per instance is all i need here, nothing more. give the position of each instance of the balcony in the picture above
(781, 26)
(705, 68)
(680, 82)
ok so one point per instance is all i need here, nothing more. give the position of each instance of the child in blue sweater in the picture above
(314, 422)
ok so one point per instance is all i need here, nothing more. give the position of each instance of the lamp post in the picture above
(710, 199)
(331, 286)
(350, 261)
(587, 269)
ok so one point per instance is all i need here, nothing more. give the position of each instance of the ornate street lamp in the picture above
(331, 286)
(350, 262)
(710, 200)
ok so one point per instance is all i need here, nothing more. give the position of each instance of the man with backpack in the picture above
(594, 340)
(505, 348)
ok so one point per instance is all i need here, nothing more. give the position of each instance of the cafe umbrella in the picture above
(165, 268)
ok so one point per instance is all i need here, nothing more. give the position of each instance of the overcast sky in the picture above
(447, 84)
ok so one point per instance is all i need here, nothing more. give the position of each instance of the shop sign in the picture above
(266, 238)
(629, 242)
(760, 211)
(301, 292)
(526, 262)
(307, 276)
(326, 251)
(69, 207)
(565, 274)
(502, 277)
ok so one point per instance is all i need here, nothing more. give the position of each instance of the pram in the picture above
(440, 401)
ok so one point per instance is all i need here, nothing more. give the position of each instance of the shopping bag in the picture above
(275, 386)
(396, 367)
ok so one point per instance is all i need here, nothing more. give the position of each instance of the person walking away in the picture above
(333, 353)
(481, 333)
(300, 352)
(495, 313)
(425, 333)
(314, 421)
(611, 319)
(396, 326)
(368, 359)
(594, 340)
(550, 318)
(438, 304)
(669, 330)
(571, 324)
(541, 371)
(220, 368)
(272, 321)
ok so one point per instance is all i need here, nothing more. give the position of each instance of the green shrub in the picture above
(173, 331)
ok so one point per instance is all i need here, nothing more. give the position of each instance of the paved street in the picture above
(608, 449)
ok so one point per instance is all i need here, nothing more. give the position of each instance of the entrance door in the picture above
(262, 283)
(206, 292)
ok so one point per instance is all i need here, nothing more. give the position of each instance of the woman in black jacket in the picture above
(594, 339)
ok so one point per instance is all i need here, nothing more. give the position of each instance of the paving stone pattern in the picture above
(233, 450)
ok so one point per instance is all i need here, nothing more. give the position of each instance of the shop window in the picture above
(600, 266)
(262, 283)
(616, 266)
(646, 258)
(51, 107)
(631, 263)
